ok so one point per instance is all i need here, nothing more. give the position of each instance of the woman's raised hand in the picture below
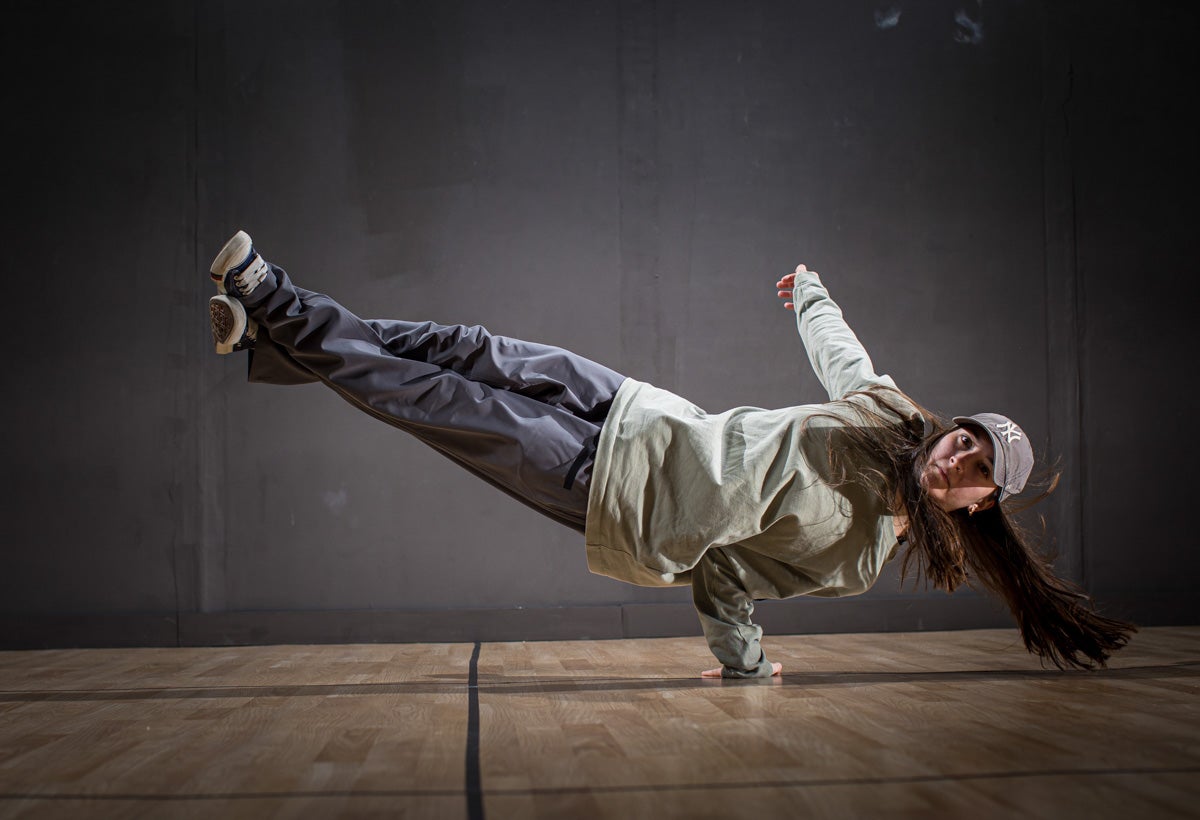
(785, 286)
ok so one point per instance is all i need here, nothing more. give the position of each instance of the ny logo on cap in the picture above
(1010, 431)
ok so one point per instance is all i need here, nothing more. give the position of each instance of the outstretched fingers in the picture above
(785, 285)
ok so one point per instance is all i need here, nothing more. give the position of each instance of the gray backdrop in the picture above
(1001, 196)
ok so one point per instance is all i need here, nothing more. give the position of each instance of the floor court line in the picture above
(631, 789)
(474, 777)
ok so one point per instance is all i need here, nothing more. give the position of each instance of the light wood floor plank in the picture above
(951, 724)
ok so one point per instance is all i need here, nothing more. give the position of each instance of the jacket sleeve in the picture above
(725, 608)
(837, 356)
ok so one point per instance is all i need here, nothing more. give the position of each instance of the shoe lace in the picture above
(249, 279)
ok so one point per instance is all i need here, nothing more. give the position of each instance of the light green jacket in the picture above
(740, 504)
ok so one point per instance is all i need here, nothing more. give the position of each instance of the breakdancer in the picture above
(744, 505)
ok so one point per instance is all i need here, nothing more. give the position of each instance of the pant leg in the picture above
(548, 374)
(532, 449)
(271, 364)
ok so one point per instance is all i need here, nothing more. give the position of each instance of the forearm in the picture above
(725, 610)
(837, 356)
(741, 655)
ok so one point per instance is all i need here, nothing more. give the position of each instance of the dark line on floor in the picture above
(544, 684)
(632, 789)
(474, 777)
(343, 793)
(848, 781)
(302, 690)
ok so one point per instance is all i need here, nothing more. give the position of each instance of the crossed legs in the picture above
(523, 416)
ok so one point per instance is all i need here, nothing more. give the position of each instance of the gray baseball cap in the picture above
(1013, 458)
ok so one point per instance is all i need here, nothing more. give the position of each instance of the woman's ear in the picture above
(980, 506)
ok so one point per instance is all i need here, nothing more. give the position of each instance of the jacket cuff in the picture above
(760, 670)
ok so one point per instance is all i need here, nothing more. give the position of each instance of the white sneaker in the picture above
(232, 329)
(238, 253)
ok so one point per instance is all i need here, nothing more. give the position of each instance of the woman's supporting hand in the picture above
(776, 668)
(785, 286)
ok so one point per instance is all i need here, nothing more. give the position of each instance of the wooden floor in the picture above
(951, 724)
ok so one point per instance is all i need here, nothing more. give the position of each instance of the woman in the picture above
(744, 505)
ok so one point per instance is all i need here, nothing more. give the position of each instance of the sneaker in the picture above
(232, 329)
(238, 268)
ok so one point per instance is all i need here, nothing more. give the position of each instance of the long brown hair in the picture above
(888, 448)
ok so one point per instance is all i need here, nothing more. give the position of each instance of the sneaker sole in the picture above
(227, 318)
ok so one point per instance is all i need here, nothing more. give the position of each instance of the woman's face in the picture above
(958, 472)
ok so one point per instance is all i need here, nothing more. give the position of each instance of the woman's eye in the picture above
(986, 472)
(966, 442)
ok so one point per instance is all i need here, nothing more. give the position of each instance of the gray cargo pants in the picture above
(524, 417)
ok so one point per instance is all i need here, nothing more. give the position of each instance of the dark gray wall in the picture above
(1001, 197)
